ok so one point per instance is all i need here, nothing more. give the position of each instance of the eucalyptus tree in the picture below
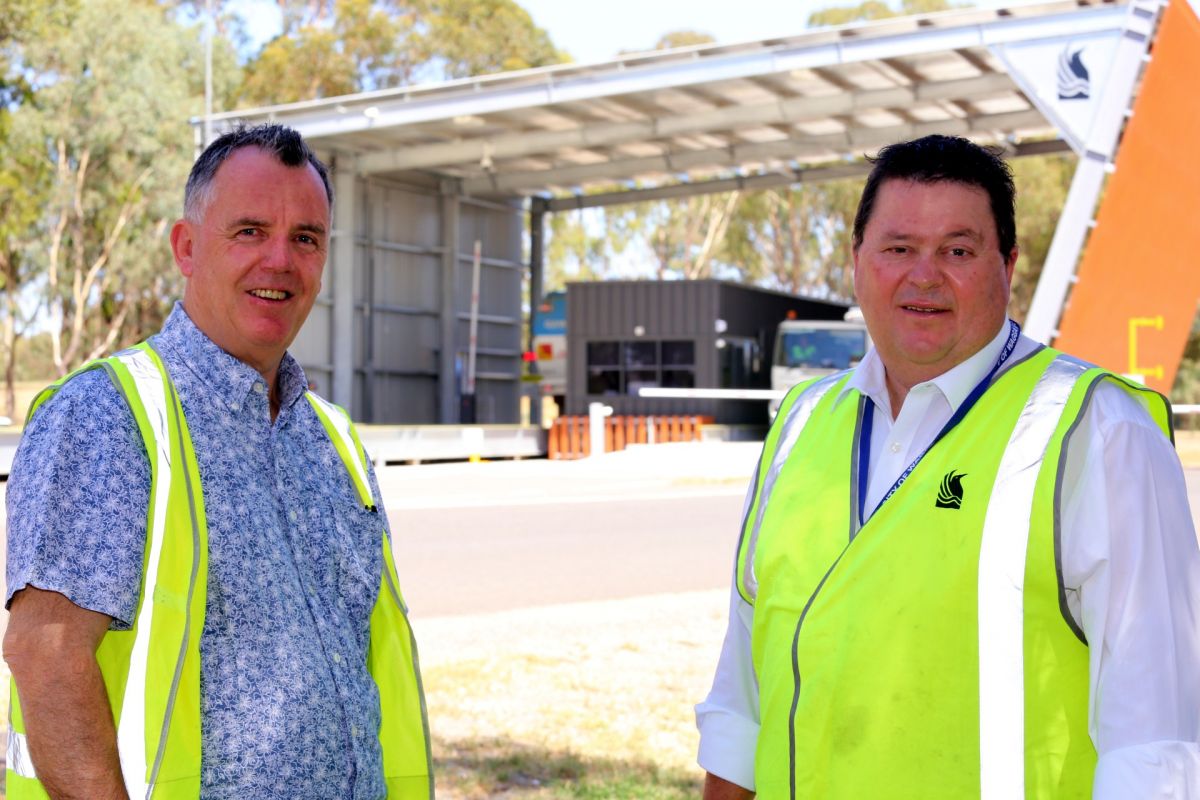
(327, 48)
(113, 86)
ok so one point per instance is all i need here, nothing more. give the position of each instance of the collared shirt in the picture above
(1131, 566)
(288, 706)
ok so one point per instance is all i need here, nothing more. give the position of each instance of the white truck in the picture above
(812, 348)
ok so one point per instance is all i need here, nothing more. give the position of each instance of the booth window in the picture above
(604, 368)
(738, 363)
(624, 367)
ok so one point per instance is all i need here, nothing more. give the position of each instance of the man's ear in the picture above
(1010, 265)
(182, 243)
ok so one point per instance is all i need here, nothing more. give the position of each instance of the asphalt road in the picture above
(502, 551)
(475, 560)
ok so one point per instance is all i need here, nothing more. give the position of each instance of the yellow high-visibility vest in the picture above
(928, 652)
(152, 671)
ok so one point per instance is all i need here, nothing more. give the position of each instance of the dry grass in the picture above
(590, 700)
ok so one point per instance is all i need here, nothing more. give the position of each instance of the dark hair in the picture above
(945, 158)
(280, 141)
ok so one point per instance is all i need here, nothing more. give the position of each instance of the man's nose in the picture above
(278, 254)
(924, 271)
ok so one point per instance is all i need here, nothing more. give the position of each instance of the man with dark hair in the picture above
(202, 595)
(967, 567)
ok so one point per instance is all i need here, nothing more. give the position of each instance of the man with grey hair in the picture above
(201, 584)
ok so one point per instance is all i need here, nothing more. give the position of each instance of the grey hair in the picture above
(284, 143)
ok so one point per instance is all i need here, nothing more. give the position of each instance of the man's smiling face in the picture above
(253, 260)
(929, 276)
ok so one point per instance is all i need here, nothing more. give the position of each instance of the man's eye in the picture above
(959, 252)
(247, 232)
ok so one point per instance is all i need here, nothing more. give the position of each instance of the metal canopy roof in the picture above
(750, 114)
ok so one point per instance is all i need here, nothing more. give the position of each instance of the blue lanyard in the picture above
(864, 440)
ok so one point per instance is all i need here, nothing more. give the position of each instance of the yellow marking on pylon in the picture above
(1143, 322)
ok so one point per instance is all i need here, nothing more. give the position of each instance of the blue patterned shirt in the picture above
(288, 706)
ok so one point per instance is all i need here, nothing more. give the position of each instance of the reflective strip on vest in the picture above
(131, 731)
(341, 431)
(17, 754)
(793, 424)
(1002, 560)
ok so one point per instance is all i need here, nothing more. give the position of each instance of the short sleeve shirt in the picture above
(288, 706)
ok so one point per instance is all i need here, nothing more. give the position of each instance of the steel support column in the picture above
(448, 313)
(342, 280)
(537, 239)
(368, 409)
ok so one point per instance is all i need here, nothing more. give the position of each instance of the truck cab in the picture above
(813, 348)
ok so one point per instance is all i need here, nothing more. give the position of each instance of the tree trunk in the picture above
(10, 368)
(9, 267)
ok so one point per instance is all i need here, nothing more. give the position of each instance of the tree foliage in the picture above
(876, 9)
(1187, 379)
(682, 38)
(478, 37)
(104, 139)
(590, 245)
(1042, 184)
(335, 47)
(683, 238)
(24, 180)
(798, 238)
(332, 48)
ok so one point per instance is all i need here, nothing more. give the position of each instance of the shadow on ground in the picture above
(501, 768)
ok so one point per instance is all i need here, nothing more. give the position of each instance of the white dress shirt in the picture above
(1131, 567)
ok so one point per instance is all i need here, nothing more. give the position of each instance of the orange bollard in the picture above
(582, 440)
(564, 439)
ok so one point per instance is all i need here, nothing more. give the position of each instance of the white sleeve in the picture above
(1131, 569)
(728, 718)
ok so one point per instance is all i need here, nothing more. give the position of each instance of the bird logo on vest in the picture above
(950, 493)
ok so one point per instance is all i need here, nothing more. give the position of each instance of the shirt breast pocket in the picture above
(358, 557)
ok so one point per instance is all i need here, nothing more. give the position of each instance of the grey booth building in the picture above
(626, 335)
